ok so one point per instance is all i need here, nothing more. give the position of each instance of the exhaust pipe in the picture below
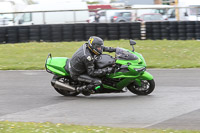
(63, 86)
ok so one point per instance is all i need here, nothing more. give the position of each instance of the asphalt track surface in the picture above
(175, 103)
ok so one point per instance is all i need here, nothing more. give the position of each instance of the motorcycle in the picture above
(129, 74)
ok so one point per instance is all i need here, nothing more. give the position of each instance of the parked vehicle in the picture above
(129, 73)
(188, 10)
(122, 17)
(150, 17)
(146, 9)
(109, 16)
(185, 13)
(57, 15)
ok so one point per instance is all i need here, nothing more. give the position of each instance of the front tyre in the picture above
(147, 86)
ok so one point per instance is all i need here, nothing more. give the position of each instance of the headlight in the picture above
(140, 69)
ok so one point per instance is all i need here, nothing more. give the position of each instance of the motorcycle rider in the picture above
(82, 67)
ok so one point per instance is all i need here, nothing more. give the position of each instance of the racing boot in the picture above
(84, 90)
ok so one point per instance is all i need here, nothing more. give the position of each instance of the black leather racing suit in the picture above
(82, 67)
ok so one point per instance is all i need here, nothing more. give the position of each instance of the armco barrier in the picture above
(170, 30)
(69, 32)
(173, 30)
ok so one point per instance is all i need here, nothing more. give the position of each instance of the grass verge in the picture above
(158, 54)
(32, 127)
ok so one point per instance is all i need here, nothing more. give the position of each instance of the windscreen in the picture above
(122, 54)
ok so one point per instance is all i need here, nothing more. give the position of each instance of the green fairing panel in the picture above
(132, 74)
(128, 79)
(57, 65)
(140, 60)
(124, 82)
(135, 63)
(109, 87)
(122, 75)
(131, 65)
(146, 76)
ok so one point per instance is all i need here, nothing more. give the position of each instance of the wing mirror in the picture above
(132, 43)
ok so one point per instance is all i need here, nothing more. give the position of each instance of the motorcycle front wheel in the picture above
(64, 92)
(147, 86)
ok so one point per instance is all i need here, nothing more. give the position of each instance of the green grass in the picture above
(32, 127)
(158, 54)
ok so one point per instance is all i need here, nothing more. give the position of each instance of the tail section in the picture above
(56, 65)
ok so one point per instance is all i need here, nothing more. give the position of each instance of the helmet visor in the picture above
(99, 49)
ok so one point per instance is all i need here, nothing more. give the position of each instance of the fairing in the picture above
(130, 70)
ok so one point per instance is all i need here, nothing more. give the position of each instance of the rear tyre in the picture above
(61, 91)
(146, 88)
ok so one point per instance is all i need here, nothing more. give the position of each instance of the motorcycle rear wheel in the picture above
(64, 92)
(147, 86)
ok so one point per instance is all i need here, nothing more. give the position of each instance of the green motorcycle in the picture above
(129, 74)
